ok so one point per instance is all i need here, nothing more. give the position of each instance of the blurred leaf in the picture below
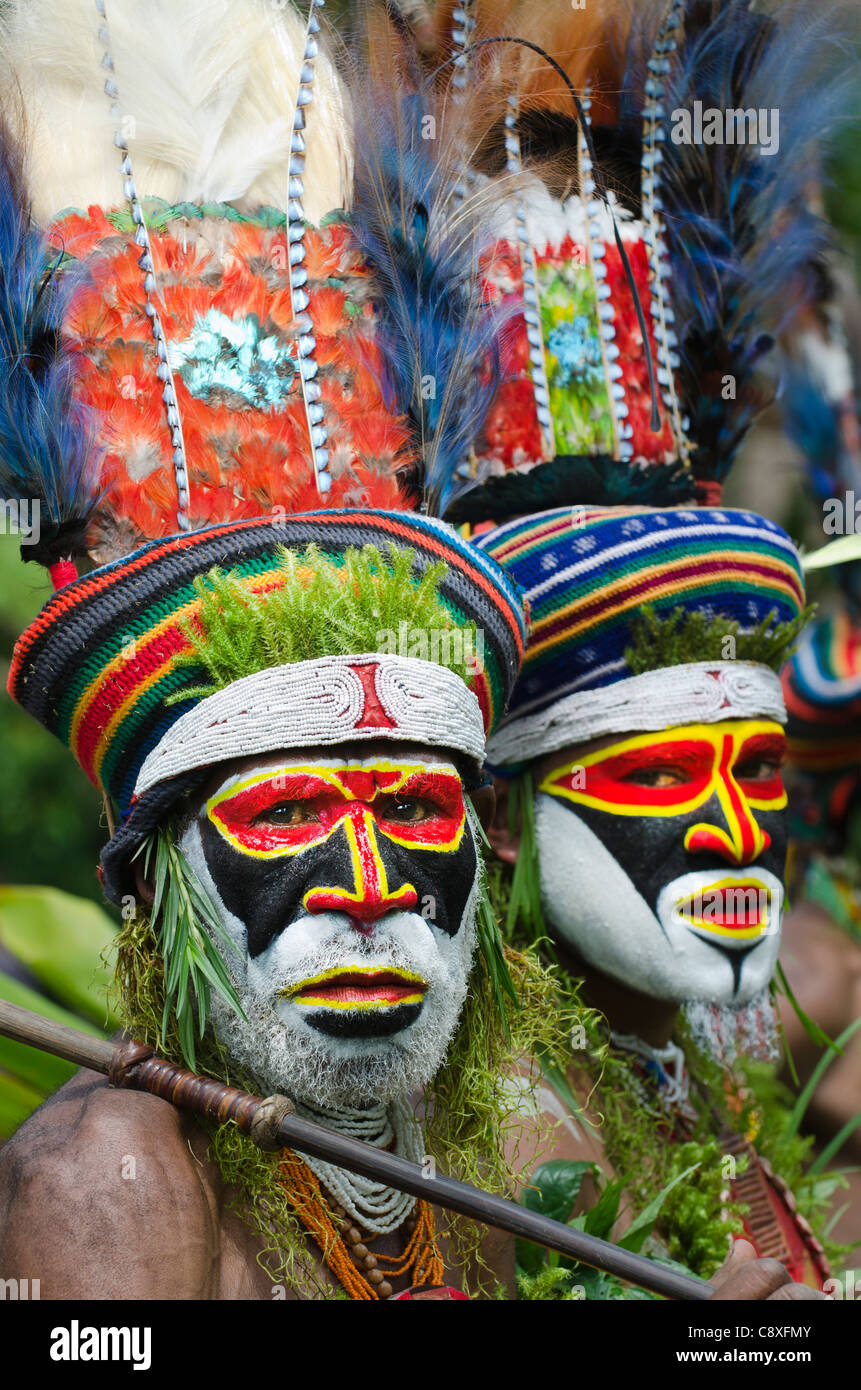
(839, 552)
(793, 1124)
(17, 1101)
(38, 1069)
(554, 1188)
(60, 939)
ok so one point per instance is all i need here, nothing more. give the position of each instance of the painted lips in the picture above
(741, 909)
(358, 987)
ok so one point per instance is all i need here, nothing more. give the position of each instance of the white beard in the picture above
(285, 1053)
(596, 910)
(727, 1033)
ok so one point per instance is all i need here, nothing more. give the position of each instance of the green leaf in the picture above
(600, 1219)
(810, 1027)
(836, 1144)
(60, 938)
(839, 552)
(555, 1186)
(834, 1050)
(640, 1229)
(17, 1102)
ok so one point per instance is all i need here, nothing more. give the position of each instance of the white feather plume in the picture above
(207, 90)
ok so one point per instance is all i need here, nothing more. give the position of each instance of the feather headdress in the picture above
(212, 379)
(46, 453)
(231, 356)
(720, 237)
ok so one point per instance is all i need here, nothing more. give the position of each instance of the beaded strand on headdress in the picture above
(306, 343)
(463, 21)
(663, 317)
(532, 309)
(463, 25)
(593, 207)
(145, 261)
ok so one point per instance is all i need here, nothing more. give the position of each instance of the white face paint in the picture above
(668, 954)
(297, 990)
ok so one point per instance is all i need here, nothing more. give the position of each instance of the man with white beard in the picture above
(225, 411)
(337, 883)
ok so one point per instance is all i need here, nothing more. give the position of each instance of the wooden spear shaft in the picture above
(273, 1124)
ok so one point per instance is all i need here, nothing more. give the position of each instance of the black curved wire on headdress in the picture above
(655, 419)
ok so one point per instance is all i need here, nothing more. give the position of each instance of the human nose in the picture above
(739, 840)
(365, 893)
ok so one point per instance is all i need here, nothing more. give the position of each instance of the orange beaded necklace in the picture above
(341, 1244)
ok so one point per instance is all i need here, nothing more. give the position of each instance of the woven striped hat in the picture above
(586, 574)
(822, 689)
(191, 378)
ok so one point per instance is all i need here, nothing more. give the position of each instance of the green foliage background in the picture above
(51, 818)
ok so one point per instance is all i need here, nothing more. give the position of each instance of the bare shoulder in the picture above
(106, 1194)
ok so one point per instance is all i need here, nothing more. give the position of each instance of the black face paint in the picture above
(267, 894)
(651, 849)
(353, 1023)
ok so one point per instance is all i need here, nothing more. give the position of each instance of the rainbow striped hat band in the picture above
(586, 574)
(822, 689)
(99, 664)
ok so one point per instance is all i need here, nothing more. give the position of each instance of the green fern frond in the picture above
(326, 606)
(188, 928)
(681, 637)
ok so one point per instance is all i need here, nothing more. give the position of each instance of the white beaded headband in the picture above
(334, 699)
(702, 692)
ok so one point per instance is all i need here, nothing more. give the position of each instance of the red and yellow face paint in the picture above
(674, 773)
(358, 987)
(285, 812)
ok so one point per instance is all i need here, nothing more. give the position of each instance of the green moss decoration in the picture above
(473, 1113)
(695, 1221)
(682, 637)
(325, 607)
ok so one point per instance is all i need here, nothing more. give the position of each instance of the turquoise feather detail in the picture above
(236, 356)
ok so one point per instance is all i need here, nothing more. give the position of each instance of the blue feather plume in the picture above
(438, 338)
(46, 452)
(744, 243)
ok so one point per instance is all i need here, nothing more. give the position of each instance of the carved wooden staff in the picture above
(273, 1124)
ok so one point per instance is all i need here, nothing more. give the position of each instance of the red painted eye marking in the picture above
(312, 806)
(441, 800)
(244, 816)
(612, 780)
(769, 748)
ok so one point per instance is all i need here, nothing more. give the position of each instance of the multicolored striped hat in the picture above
(189, 381)
(822, 689)
(586, 575)
(103, 668)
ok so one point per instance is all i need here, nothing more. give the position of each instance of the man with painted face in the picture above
(266, 661)
(643, 746)
(643, 742)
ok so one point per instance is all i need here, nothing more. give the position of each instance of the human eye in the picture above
(409, 810)
(663, 776)
(287, 813)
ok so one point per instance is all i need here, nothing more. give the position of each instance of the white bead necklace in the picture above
(371, 1204)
